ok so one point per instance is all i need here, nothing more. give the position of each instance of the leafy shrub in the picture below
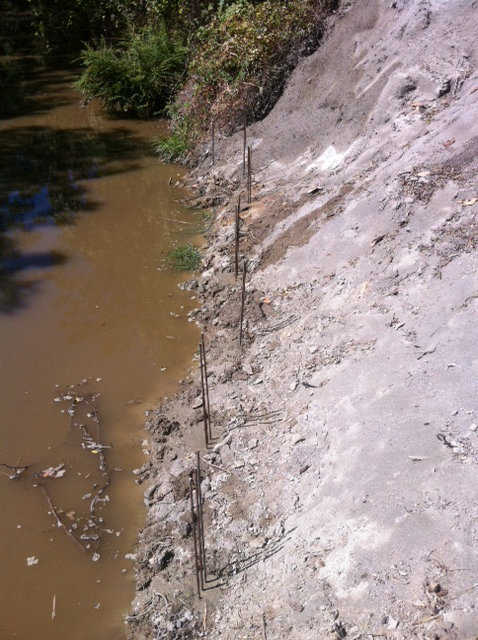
(185, 258)
(139, 76)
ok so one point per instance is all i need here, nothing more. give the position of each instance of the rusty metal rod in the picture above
(244, 142)
(200, 515)
(203, 396)
(208, 406)
(243, 297)
(213, 150)
(249, 176)
(193, 517)
(237, 237)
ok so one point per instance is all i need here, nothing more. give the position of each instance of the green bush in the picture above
(137, 77)
(185, 258)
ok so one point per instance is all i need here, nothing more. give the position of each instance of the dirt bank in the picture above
(340, 497)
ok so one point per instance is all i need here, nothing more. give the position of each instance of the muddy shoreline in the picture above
(166, 585)
(338, 497)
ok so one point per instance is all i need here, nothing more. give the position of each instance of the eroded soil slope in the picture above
(340, 499)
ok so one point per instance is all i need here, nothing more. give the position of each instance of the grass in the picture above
(176, 146)
(139, 76)
(173, 148)
(185, 258)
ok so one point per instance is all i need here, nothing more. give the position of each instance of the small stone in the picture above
(444, 88)
(197, 403)
(392, 624)
(293, 385)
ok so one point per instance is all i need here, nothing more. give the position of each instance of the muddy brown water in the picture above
(88, 300)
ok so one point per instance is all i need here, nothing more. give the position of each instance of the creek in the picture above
(88, 300)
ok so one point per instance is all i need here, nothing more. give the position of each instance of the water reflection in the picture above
(106, 315)
(44, 174)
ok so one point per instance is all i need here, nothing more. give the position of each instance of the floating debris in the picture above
(13, 471)
(54, 472)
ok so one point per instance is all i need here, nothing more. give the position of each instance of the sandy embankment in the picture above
(349, 510)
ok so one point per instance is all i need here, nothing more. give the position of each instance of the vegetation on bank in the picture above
(233, 59)
(175, 147)
(243, 55)
(185, 258)
(137, 76)
(224, 61)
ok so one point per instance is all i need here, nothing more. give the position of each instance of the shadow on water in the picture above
(23, 82)
(44, 174)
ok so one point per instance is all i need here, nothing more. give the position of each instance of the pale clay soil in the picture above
(341, 497)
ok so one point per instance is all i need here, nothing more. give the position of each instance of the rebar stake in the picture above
(244, 141)
(213, 150)
(200, 516)
(243, 297)
(205, 414)
(237, 238)
(249, 176)
(193, 517)
(206, 385)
